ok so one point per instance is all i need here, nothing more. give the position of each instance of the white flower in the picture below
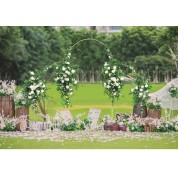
(114, 94)
(42, 91)
(67, 86)
(75, 82)
(117, 84)
(63, 68)
(142, 86)
(31, 93)
(106, 72)
(108, 68)
(114, 67)
(29, 97)
(140, 94)
(108, 86)
(73, 71)
(113, 71)
(68, 62)
(122, 78)
(71, 93)
(141, 89)
(113, 79)
(23, 102)
(132, 89)
(136, 87)
(32, 78)
(31, 73)
(105, 64)
(146, 85)
(38, 92)
(66, 79)
(62, 81)
(57, 67)
(104, 84)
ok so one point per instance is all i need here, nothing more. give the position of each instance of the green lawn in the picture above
(91, 96)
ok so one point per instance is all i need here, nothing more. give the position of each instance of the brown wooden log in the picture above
(154, 113)
(23, 111)
(7, 106)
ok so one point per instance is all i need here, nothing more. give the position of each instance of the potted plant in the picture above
(140, 95)
(122, 122)
(154, 109)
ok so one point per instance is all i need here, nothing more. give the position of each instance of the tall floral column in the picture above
(66, 79)
(140, 95)
(112, 81)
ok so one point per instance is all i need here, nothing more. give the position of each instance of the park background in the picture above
(134, 13)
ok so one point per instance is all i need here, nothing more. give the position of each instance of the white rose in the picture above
(68, 62)
(108, 86)
(146, 85)
(122, 78)
(140, 94)
(108, 68)
(136, 88)
(67, 86)
(141, 89)
(114, 94)
(75, 82)
(114, 67)
(113, 71)
(57, 67)
(63, 68)
(23, 102)
(29, 97)
(42, 91)
(113, 79)
(66, 79)
(117, 84)
(32, 78)
(31, 72)
(142, 86)
(132, 89)
(105, 64)
(71, 93)
(62, 81)
(73, 71)
(106, 72)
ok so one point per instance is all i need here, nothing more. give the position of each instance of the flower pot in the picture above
(7, 106)
(140, 111)
(22, 112)
(106, 126)
(154, 113)
(123, 128)
(149, 128)
(115, 127)
(21, 125)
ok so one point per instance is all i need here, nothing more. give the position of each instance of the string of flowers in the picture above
(66, 79)
(34, 89)
(112, 77)
(141, 90)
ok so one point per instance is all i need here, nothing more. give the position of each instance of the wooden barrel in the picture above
(23, 111)
(154, 113)
(7, 106)
(123, 128)
(140, 111)
(106, 126)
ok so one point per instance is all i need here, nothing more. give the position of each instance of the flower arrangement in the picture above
(173, 91)
(135, 124)
(34, 89)
(66, 79)
(7, 88)
(7, 124)
(112, 77)
(141, 90)
(164, 125)
(154, 105)
(122, 119)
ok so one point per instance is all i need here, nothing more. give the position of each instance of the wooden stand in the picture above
(137, 110)
(23, 111)
(154, 113)
(149, 128)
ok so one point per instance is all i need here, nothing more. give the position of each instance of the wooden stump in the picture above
(23, 111)
(154, 113)
(21, 125)
(149, 128)
(137, 110)
(7, 106)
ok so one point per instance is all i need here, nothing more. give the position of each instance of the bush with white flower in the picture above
(7, 124)
(141, 90)
(7, 88)
(173, 90)
(112, 77)
(34, 89)
(135, 124)
(66, 79)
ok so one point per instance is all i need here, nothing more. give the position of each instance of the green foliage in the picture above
(173, 90)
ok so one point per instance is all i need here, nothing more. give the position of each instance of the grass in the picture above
(167, 142)
(91, 96)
